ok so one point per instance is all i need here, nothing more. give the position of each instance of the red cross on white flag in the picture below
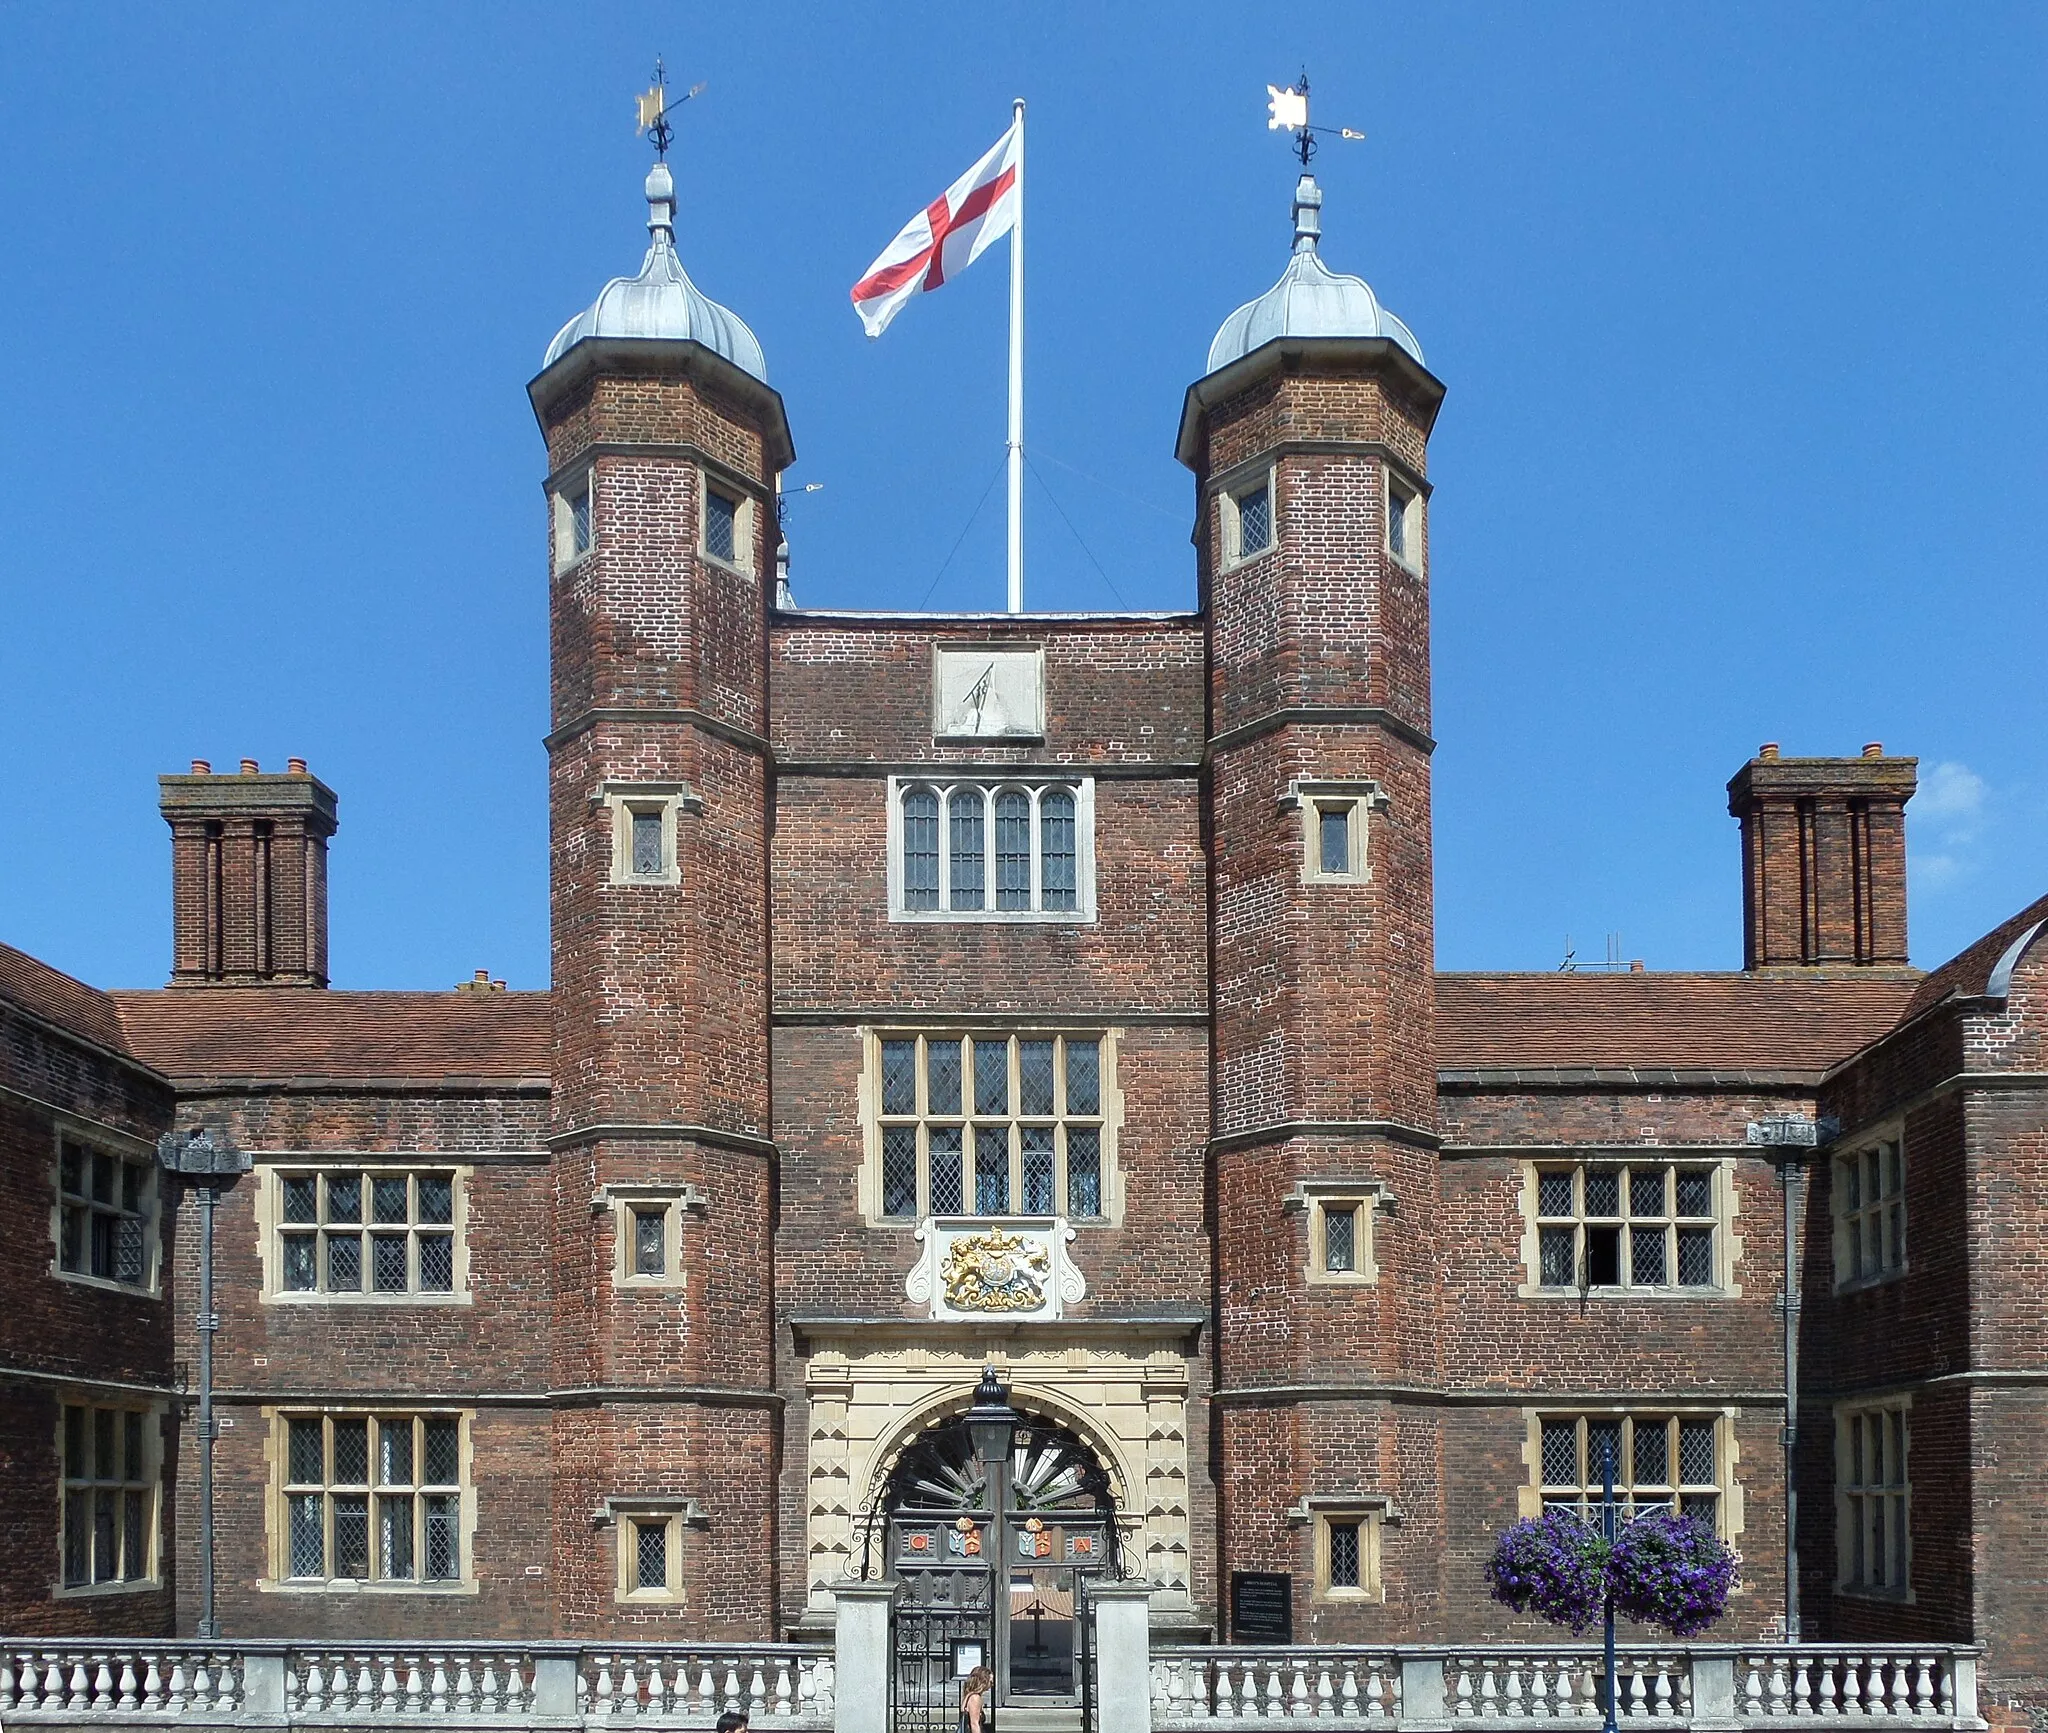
(946, 236)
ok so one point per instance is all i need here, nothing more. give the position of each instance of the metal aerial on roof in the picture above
(662, 303)
(1310, 299)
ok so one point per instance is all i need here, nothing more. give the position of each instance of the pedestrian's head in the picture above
(732, 1721)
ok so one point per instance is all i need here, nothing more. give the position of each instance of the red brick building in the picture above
(1055, 992)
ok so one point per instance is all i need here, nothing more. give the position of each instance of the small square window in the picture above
(1254, 521)
(646, 822)
(651, 1555)
(1334, 820)
(574, 523)
(649, 856)
(1347, 1548)
(1339, 1230)
(650, 1242)
(1340, 1234)
(721, 525)
(1333, 838)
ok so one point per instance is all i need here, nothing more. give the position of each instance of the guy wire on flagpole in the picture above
(1017, 381)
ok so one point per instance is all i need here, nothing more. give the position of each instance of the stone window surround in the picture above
(96, 1138)
(270, 1171)
(576, 482)
(1892, 1131)
(625, 1199)
(1228, 495)
(626, 1516)
(276, 1527)
(993, 780)
(671, 800)
(1727, 1451)
(868, 1178)
(1313, 1198)
(746, 519)
(1845, 1500)
(88, 1396)
(1373, 1512)
(1727, 1203)
(1401, 494)
(1310, 796)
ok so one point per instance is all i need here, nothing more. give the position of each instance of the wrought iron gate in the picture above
(942, 1623)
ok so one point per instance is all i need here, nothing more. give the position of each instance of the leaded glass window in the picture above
(373, 1498)
(650, 1241)
(651, 1554)
(1645, 1224)
(990, 1124)
(107, 1511)
(1333, 838)
(342, 1232)
(1875, 1498)
(1344, 1555)
(1870, 1212)
(1254, 521)
(982, 849)
(650, 853)
(1399, 506)
(721, 525)
(1340, 1237)
(1659, 1460)
(106, 1214)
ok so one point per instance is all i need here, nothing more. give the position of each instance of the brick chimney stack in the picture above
(1823, 858)
(248, 876)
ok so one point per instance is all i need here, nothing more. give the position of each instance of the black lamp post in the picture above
(207, 1167)
(992, 1423)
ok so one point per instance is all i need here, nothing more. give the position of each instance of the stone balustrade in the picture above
(1507, 1685)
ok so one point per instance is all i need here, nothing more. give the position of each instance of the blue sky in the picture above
(1739, 307)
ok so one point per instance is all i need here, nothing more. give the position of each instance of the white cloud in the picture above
(1948, 812)
(1952, 795)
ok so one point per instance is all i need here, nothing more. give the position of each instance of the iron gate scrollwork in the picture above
(942, 1624)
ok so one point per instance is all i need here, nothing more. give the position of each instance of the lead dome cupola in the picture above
(662, 302)
(1310, 300)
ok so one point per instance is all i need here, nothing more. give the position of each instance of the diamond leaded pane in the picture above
(653, 1554)
(1646, 1257)
(131, 1455)
(1254, 521)
(437, 1264)
(1696, 1257)
(942, 1076)
(1560, 1453)
(388, 1260)
(1343, 1555)
(1652, 1453)
(721, 518)
(444, 1452)
(308, 1541)
(965, 814)
(135, 1536)
(1013, 849)
(1696, 1452)
(1559, 1254)
(1646, 1191)
(899, 1170)
(647, 850)
(1554, 1194)
(650, 1242)
(77, 1539)
(1340, 1228)
(1084, 1173)
(301, 1201)
(991, 1077)
(304, 1461)
(1333, 835)
(351, 1535)
(1057, 873)
(351, 1452)
(1084, 1076)
(1034, 1077)
(344, 1264)
(444, 1533)
(394, 1537)
(947, 1197)
(387, 1201)
(991, 1171)
(394, 1452)
(899, 1076)
(1603, 1192)
(344, 1197)
(1695, 1191)
(1037, 1164)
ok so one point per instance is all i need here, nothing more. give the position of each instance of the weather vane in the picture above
(1287, 111)
(653, 106)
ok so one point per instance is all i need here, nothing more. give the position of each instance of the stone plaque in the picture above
(986, 692)
(995, 1267)
(1261, 1607)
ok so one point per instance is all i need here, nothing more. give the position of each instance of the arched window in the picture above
(1056, 848)
(967, 808)
(1013, 849)
(920, 849)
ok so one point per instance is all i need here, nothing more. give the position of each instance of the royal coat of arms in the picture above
(995, 1272)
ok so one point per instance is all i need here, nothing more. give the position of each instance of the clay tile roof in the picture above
(56, 998)
(1676, 1022)
(1968, 973)
(301, 1032)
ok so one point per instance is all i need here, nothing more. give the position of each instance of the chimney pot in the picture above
(296, 766)
(1636, 966)
(483, 974)
(249, 767)
(1874, 749)
(1769, 749)
(201, 768)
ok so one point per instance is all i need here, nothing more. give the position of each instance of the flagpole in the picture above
(1017, 382)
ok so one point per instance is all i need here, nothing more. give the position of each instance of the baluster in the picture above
(1462, 1695)
(415, 1686)
(1802, 1686)
(487, 1686)
(1512, 1705)
(1945, 1686)
(602, 1705)
(437, 1686)
(1223, 1703)
(1826, 1697)
(311, 1692)
(629, 1688)
(1923, 1687)
(1852, 1685)
(707, 1687)
(1298, 1698)
(81, 1686)
(732, 1686)
(1347, 1689)
(127, 1684)
(1902, 1691)
(1660, 1690)
(6, 1680)
(152, 1685)
(202, 1682)
(785, 1695)
(181, 1684)
(757, 1692)
(465, 1686)
(1638, 1697)
(1779, 1690)
(1375, 1688)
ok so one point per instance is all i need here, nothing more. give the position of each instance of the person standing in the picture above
(977, 1713)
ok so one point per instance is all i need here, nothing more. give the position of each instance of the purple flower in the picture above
(1552, 1565)
(1672, 1570)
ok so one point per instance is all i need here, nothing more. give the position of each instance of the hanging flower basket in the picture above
(1554, 1565)
(1672, 1571)
(1664, 1569)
